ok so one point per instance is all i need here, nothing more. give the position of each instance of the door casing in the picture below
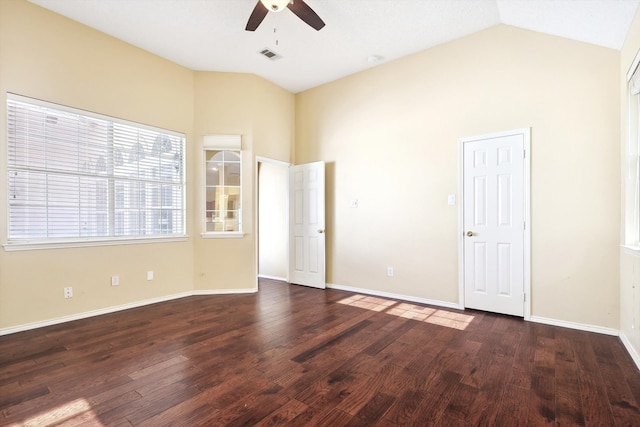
(526, 134)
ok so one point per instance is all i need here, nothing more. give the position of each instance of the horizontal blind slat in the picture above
(72, 174)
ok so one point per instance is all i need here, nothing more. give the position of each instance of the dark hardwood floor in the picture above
(291, 355)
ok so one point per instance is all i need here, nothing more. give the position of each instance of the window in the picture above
(632, 175)
(78, 176)
(223, 185)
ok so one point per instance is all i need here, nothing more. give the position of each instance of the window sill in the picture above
(63, 244)
(631, 250)
(223, 235)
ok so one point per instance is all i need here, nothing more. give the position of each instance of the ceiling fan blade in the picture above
(304, 12)
(258, 14)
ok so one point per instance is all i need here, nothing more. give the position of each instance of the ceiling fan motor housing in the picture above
(299, 8)
(275, 5)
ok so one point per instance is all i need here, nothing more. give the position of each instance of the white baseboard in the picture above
(446, 304)
(264, 276)
(225, 291)
(390, 295)
(578, 326)
(632, 351)
(554, 322)
(92, 313)
(107, 310)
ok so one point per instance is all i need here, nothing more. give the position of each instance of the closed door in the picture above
(307, 225)
(494, 222)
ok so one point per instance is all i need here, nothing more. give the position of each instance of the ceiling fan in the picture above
(299, 7)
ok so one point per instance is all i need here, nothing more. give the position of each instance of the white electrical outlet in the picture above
(149, 275)
(390, 271)
(68, 292)
(115, 280)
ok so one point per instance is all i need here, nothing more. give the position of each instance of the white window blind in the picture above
(75, 175)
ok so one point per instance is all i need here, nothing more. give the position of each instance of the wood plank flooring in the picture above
(291, 355)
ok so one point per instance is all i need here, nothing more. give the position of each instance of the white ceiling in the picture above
(209, 35)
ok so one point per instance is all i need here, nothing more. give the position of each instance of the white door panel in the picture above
(307, 227)
(493, 222)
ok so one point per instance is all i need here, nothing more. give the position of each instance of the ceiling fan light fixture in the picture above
(275, 5)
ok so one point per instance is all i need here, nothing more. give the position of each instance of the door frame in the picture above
(526, 134)
(258, 160)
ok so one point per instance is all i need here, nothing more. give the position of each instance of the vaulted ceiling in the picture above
(209, 35)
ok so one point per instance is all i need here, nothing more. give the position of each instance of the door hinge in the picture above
(524, 154)
(524, 297)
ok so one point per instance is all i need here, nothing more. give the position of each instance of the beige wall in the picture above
(629, 262)
(263, 114)
(389, 136)
(46, 56)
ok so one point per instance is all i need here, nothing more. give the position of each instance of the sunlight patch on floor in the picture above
(79, 410)
(368, 302)
(410, 311)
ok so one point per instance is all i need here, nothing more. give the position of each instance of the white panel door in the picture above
(307, 225)
(494, 223)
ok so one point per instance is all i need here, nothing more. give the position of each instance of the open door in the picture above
(307, 225)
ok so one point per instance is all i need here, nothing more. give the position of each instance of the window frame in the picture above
(631, 236)
(11, 242)
(221, 142)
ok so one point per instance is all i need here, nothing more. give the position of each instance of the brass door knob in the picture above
(469, 233)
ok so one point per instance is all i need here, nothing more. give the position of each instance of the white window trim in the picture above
(221, 142)
(222, 234)
(631, 250)
(631, 237)
(35, 244)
